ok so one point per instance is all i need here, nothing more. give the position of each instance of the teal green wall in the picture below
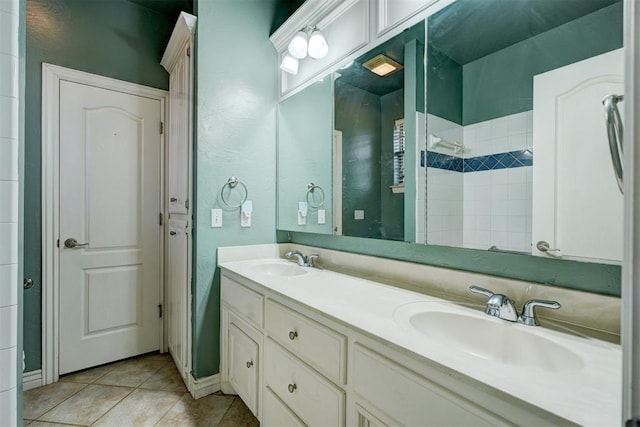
(598, 278)
(237, 92)
(114, 38)
(391, 204)
(502, 83)
(357, 115)
(414, 58)
(305, 153)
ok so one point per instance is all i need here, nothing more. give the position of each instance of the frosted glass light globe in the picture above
(318, 47)
(298, 45)
(289, 64)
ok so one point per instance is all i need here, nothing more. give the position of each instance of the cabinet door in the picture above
(243, 366)
(179, 140)
(276, 414)
(177, 292)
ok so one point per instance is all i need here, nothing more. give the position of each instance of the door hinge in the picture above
(161, 219)
(186, 204)
(189, 51)
(58, 243)
(161, 128)
(159, 310)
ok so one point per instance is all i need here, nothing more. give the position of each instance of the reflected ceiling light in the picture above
(298, 45)
(289, 64)
(382, 65)
(318, 47)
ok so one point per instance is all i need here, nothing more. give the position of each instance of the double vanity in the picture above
(315, 346)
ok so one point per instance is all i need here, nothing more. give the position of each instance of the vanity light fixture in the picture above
(382, 65)
(302, 45)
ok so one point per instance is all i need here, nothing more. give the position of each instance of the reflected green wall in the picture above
(305, 123)
(502, 83)
(113, 38)
(235, 136)
(391, 204)
(357, 116)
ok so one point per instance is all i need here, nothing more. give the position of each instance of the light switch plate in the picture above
(321, 216)
(358, 214)
(216, 218)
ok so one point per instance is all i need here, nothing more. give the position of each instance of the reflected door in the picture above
(577, 207)
(110, 149)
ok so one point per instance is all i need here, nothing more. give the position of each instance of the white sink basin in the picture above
(280, 269)
(490, 338)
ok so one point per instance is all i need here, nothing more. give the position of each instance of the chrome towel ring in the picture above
(232, 183)
(311, 187)
(615, 134)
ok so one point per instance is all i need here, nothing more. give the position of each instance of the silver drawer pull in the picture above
(250, 364)
(292, 388)
(293, 335)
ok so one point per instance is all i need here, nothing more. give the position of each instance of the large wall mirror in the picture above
(507, 151)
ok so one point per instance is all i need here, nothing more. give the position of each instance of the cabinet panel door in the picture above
(179, 135)
(177, 292)
(243, 366)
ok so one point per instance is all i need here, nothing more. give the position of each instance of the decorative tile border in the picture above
(511, 159)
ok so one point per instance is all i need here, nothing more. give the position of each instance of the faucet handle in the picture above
(482, 291)
(528, 316)
(311, 259)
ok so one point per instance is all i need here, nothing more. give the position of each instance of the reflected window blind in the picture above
(398, 152)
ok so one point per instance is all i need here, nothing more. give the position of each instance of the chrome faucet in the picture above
(301, 259)
(528, 316)
(498, 305)
(503, 307)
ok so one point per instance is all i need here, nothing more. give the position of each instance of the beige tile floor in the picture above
(142, 391)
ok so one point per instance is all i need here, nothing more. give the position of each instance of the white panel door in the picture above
(177, 292)
(577, 206)
(243, 366)
(110, 156)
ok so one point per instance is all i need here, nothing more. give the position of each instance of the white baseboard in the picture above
(32, 379)
(203, 386)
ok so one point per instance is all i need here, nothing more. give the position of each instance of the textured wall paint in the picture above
(391, 204)
(590, 277)
(305, 151)
(357, 115)
(502, 83)
(113, 38)
(237, 92)
(444, 86)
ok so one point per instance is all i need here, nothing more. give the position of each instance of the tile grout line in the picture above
(55, 406)
(228, 409)
(116, 404)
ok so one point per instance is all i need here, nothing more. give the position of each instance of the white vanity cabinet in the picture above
(295, 366)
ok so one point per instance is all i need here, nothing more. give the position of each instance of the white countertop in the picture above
(591, 395)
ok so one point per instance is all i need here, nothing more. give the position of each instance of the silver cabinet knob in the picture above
(292, 388)
(293, 335)
(173, 199)
(250, 364)
(72, 243)
(172, 233)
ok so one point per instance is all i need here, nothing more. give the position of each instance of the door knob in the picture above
(72, 243)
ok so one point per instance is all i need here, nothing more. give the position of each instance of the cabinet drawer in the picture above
(315, 400)
(276, 414)
(243, 300)
(409, 398)
(319, 346)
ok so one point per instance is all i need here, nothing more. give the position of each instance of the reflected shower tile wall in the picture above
(496, 184)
